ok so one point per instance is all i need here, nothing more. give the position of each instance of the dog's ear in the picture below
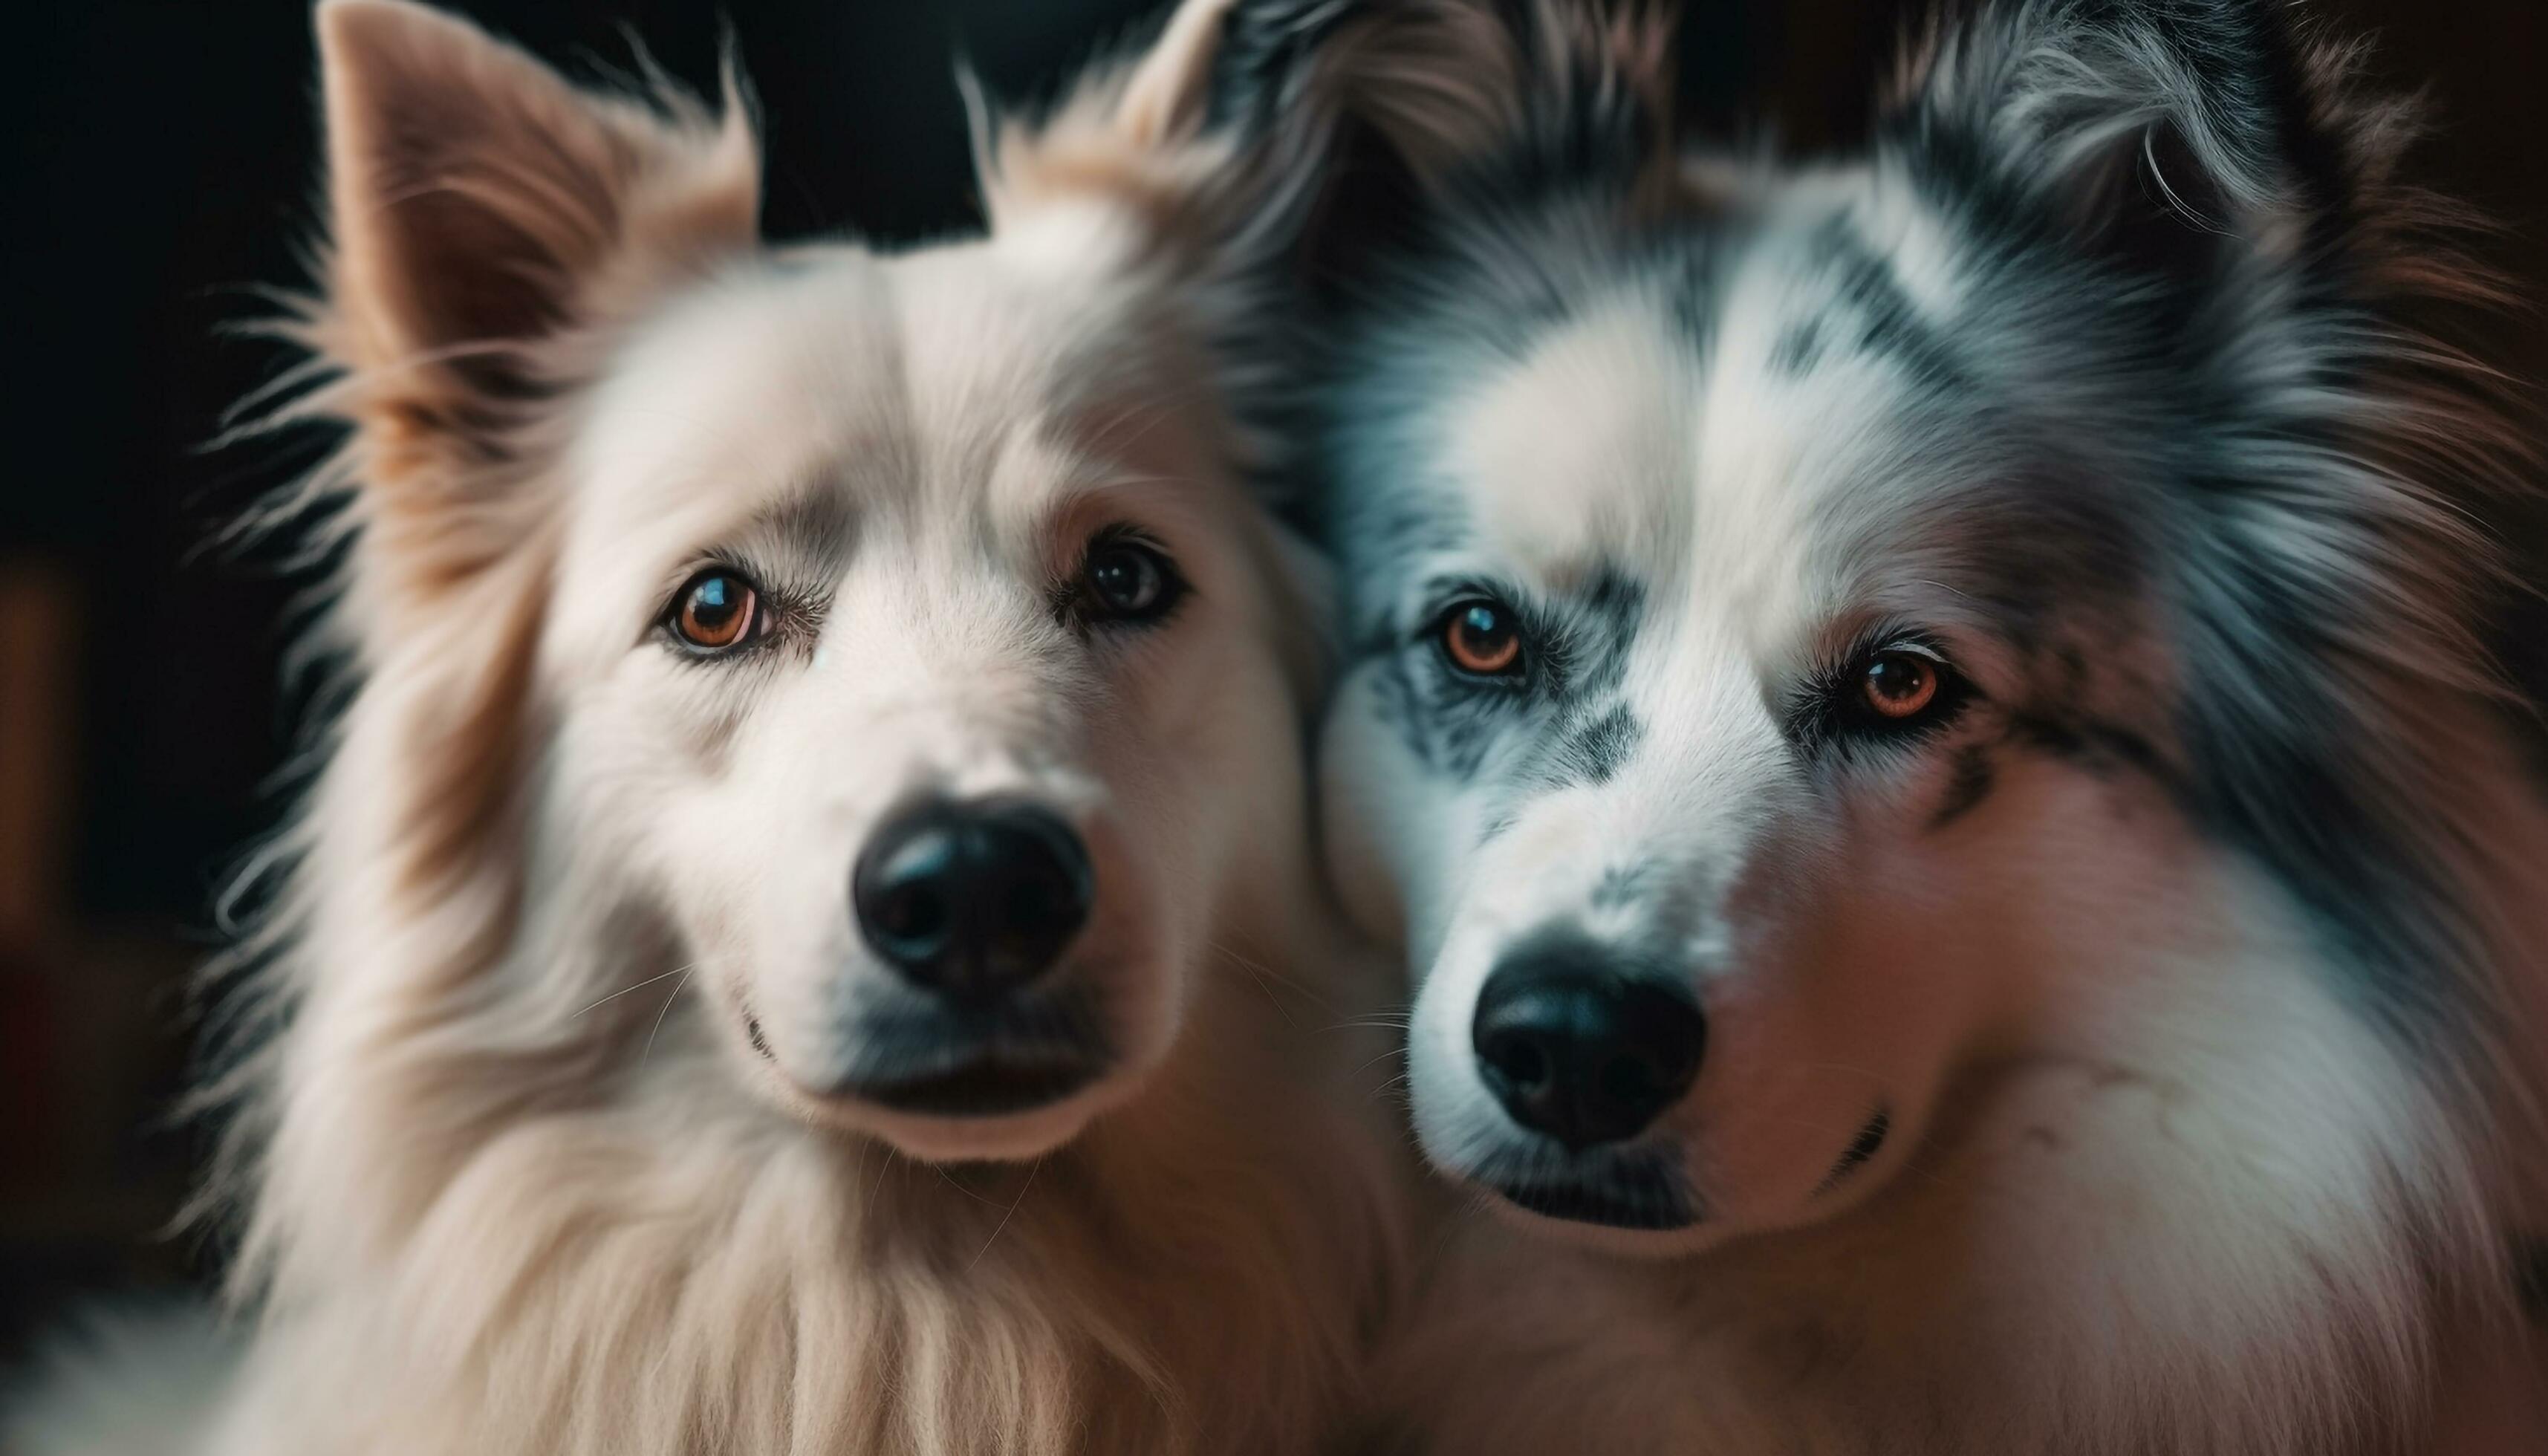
(1434, 81)
(1236, 113)
(1377, 108)
(1129, 133)
(1445, 82)
(2172, 135)
(481, 207)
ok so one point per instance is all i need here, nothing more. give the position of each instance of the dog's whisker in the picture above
(678, 988)
(948, 1179)
(1267, 987)
(1374, 1062)
(1368, 1024)
(639, 987)
(1023, 1190)
(1269, 974)
(1396, 1087)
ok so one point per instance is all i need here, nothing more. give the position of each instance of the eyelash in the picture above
(1542, 650)
(1076, 598)
(775, 615)
(1834, 710)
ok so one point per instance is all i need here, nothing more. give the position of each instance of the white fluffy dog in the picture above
(804, 940)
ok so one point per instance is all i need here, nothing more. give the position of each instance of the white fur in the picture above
(511, 1173)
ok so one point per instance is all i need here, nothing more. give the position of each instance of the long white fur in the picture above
(506, 1175)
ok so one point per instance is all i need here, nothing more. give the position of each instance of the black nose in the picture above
(1583, 1046)
(974, 900)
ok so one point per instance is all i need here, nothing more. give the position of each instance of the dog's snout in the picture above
(973, 899)
(1579, 1046)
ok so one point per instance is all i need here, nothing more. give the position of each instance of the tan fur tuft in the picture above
(486, 216)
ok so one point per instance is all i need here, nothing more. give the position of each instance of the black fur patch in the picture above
(1690, 285)
(1579, 747)
(2276, 776)
(1602, 633)
(1576, 656)
(1446, 727)
(2103, 749)
(1885, 322)
(1594, 752)
(1621, 884)
(1265, 46)
(1973, 780)
(1798, 349)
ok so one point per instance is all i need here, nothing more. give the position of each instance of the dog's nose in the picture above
(973, 899)
(1578, 1048)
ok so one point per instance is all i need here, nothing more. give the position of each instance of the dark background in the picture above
(160, 157)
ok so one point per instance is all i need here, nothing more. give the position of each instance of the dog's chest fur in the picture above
(682, 1274)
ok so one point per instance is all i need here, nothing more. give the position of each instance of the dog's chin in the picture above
(981, 1112)
(1628, 1199)
(1808, 1181)
(955, 1083)
(1638, 1203)
(984, 1114)
(1012, 1137)
(1632, 1239)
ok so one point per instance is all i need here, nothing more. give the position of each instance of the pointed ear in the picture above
(1382, 106)
(481, 206)
(2164, 133)
(1234, 113)
(1132, 131)
(1431, 81)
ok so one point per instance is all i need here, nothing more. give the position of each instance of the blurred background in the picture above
(161, 156)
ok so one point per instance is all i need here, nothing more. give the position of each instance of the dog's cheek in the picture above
(748, 851)
(1203, 733)
(1383, 818)
(1861, 948)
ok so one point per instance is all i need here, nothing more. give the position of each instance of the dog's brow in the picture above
(1099, 482)
(1593, 579)
(1094, 489)
(812, 509)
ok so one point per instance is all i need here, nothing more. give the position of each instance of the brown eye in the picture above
(1481, 639)
(718, 611)
(1899, 684)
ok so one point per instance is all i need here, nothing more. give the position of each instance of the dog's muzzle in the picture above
(973, 900)
(1586, 1048)
(1582, 1045)
(973, 904)
(978, 1061)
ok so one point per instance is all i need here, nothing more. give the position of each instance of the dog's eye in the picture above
(1127, 580)
(1896, 687)
(718, 611)
(1481, 639)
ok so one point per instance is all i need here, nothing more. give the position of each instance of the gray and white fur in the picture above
(2135, 1043)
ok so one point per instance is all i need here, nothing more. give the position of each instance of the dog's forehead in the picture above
(1021, 320)
(958, 371)
(1733, 429)
(1578, 452)
(744, 388)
